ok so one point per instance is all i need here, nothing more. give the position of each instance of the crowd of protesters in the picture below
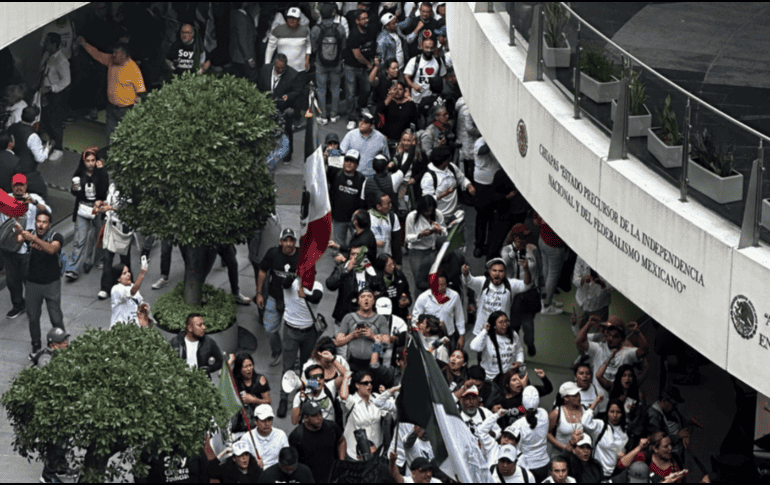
(412, 160)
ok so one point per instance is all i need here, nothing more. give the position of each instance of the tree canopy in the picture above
(191, 157)
(122, 390)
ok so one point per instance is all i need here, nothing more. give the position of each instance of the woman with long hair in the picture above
(625, 388)
(366, 408)
(513, 386)
(127, 303)
(567, 418)
(583, 379)
(456, 370)
(252, 387)
(423, 227)
(500, 346)
(610, 437)
(659, 457)
(91, 187)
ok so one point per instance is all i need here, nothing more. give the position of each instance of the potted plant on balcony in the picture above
(712, 172)
(597, 80)
(639, 117)
(556, 48)
(665, 142)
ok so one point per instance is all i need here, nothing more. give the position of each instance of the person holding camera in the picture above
(360, 329)
(366, 411)
(437, 133)
(593, 295)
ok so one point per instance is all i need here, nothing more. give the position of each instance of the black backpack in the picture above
(330, 45)
(455, 171)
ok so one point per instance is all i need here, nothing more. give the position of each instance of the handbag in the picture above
(117, 238)
(530, 301)
(86, 211)
(319, 321)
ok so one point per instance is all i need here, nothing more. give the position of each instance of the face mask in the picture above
(427, 56)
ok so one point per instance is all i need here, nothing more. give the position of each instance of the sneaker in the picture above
(286, 160)
(242, 300)
(35, 350)
(71, 275)
(551, 310)
(161, 283)
(15, 312)
(323, 121)
(334, 119)
(478, 252)
(276, 361)
(56, 155)
(100, 264)
(351, 125)
(283, 406)
(557, 304)
(87, 268)
(103, 295)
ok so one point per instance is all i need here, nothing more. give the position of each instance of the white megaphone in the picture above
(290, 382)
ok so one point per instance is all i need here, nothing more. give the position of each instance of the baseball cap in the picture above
(353, 155)
(384, 306)
(288, 232)
(19, 178)
(508, 452)
(585, 440)
(293, 12)
(513, 432)
(288, 456)
(530, 398)
(569, 388)
(672, 394)
(239, 448)
(471, 390)
(57, 335)
(263, 412)
(421, 463)
(367, 116)
(332, 137)
(639, 472)
(495, 261)
(387, 18)
(310, 408)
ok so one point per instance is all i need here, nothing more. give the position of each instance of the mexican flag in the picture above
(230, 397)
(455, 240)
(425, 400)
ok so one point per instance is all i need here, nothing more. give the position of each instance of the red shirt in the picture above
(653, 467)
(550, 237)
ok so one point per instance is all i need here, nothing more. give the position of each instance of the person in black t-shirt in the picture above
(359, 59)
(345, 188)
(278, 263)
(252, 387)
(187, 53)
(287, 470)
(319, 442)
(242, 467)
(43, 277)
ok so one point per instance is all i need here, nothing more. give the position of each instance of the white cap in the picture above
(509, 452)
(384, 306)
(263, 412)
(585, 440)
(239, 448)
(293, 12)
(471, 390)
(530, 398)
(353, 153)
(387, 18)
(569, 389)
(511, 430)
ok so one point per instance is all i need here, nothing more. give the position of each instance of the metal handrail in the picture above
(664, 79)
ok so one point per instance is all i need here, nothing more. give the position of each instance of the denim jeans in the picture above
(36, 294)
(114, 116)
(553, 260)
(85, 240)
(272, 320)
(294, 341)
(334, 75)
(343, 231)
(356, 98)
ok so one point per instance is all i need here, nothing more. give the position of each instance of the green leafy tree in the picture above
(191, 159)
(117, 391)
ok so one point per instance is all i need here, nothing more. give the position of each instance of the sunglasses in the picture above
(317, 377)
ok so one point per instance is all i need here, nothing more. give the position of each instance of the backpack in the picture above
(455, 171)
(524, 474)
(441, 65)
(330, 49)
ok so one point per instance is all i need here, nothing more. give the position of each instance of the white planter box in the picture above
(556, 56)
(668, 156)
(599, 92)
(637, 125)
(766, 213)
(227, 340)
(722, 190)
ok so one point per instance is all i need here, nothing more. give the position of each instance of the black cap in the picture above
(57, 335)
(288, 456)
(367, 116)
(421, 463)
(332, 137)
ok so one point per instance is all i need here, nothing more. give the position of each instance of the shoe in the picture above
(557, 304)
(15, 313)
(87, 268)
(351, 125)
(35, 350)
(161, 283)
(283, 406)
(286, 160)
(323, 121)
(145, 253)
(478, 252)
(56, 155)
(242, 300)
(100, 265)
(276, 361)
(334, 119)
(531, 350)
(71, 275)
(551, 310)
(103, 295)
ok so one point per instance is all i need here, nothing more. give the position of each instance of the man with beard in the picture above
(345, 192)
(319, 442)
(421, 68)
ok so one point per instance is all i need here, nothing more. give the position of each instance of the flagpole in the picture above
(243, 411)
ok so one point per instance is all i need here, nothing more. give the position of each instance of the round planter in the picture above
(227, 340)
(599, 92)
(668, 156)
(722, 190)
(637, 124)
(556, 56)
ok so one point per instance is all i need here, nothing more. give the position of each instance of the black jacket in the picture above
(346, 284)
(398, 285)
(207, 349)
(8, 162)
(230, 473)
(101, 181)
(287, 86)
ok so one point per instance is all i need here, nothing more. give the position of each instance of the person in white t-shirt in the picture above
(126, 299)
(500, 347)
(559, 471)
(421, 471)
(317, 390)
(495, 294)
(507, 469)
(269, 440)
(420, 69)
(485, 168)
(384, 232)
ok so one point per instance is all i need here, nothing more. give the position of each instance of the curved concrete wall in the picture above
(677, 261)
(21, 18)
